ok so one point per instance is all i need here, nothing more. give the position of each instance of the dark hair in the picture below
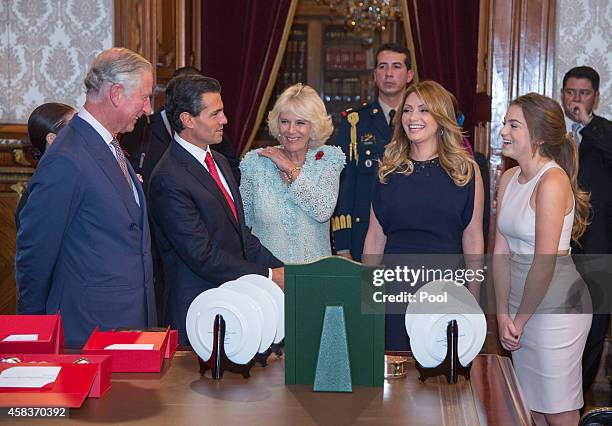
(397, 48)
(184, 94)
(185, 71)
(583, 72)
(46, 118)
(545, 122)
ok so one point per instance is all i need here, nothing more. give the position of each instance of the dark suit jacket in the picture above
(83, 246)
(150, 139)
(595, 176)
(200, 242)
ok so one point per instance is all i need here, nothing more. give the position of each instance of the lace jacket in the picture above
(292, 221)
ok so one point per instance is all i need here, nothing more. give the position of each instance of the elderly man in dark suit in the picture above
(196, 205)
(593, 135)
(84, 245)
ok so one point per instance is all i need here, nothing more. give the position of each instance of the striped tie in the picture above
(122, 163)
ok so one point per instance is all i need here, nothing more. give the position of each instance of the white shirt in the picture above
(569, 123)
(107, 137)
(199, 154)
(164, 118)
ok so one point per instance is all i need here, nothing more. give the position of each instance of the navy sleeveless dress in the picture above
(423, 213)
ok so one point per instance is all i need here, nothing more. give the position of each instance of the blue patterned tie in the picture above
(576, 128)
(122, 162)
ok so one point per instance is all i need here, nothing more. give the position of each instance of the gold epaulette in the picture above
(353, 119)
(341, 222)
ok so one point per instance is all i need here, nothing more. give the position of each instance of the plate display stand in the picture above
(218, 362)
(450, 368)
(262, 357)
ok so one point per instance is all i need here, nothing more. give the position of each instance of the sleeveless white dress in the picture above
(549, 363)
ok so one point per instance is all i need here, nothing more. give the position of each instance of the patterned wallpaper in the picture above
(584, 37)
(46, 47)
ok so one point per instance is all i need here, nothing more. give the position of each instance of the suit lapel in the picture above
(379, 120)
(204, 179)
(100, 151)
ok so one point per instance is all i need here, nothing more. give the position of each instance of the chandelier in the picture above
(364, 15)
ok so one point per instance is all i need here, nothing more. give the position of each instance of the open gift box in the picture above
(31, 334)
(101, 383)
(69, 389)
(133, 351)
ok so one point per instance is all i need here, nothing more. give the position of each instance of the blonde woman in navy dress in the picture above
(543, 306)
(428, 198)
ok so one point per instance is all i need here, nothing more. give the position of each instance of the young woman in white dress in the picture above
(543, 307)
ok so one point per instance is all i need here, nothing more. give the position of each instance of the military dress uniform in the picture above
(363, 134)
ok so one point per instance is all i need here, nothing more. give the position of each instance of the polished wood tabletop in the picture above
(179, 396)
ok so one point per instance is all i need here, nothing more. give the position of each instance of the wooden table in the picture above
(178, 396)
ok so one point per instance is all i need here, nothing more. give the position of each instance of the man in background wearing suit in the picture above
(84, 246)
(152, 135)
(196, 205)
(593, 134)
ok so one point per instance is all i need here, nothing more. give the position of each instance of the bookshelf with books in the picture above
(348, 61)
(291, 71)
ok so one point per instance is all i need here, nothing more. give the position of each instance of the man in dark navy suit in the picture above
(84, 246)
(196, 205)
(363, 134)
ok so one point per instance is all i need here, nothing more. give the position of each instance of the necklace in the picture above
(425, 166)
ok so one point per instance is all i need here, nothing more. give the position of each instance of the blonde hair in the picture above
(454, 158)
(304, 102)
(546, 123)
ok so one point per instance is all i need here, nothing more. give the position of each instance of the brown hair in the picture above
(545, 122)
(454, 159)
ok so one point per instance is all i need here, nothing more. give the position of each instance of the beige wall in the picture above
(584, 37)
(45, 49)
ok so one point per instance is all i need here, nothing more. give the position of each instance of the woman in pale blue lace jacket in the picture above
(290, 190)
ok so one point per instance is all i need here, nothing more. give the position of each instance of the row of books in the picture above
(346, 58)
(295, 55)
(350, 89)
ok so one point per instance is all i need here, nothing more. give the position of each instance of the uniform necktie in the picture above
(391, 115)
(122, 162)
(212, 169)
(576, 128)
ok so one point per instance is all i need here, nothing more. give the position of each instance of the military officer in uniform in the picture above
(362, 135)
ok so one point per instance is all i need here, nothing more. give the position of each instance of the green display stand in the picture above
(333, 371)
(309, 289)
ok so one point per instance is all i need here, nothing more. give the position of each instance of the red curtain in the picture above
(445, 34)
(240, 42)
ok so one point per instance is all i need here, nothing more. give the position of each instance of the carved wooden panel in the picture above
(8, 203)
(167, 33)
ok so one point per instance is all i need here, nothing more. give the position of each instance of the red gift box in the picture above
(131, 360)
(69, 390)
(101, 382)
(48, 327)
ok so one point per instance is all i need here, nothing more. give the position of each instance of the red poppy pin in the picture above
(319, 155)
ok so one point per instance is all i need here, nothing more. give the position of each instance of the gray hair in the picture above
(116, 65)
